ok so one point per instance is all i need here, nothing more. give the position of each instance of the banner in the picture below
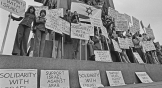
(136, 23)
(96, 22)
(148, 45)
(56, 12)
(103, 56)
(150, 33)
(116, 46)
(54, 79)
(128, 18)
(90, 28)
(18, 78)
(130, 42)
(39, 8)
(15, 6)
(115, 78)
(89, 79)
(112, 12)
(64, 26)
(137, 56)
(52, 23)
(120, 17)
(121, 25)
(79, 31)
(144, 78)
(123, 43)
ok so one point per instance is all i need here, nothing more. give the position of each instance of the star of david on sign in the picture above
(89, 11)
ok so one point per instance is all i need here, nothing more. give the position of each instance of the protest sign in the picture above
(128, 18)
(96, 22)
(133, 30)
(90, 28)
(121, 25)
(148, 45)
(56, 12)
(104, 31)
(89, 79)
(102, 56)
(64, 26)
(123, 43)
(115, 78)
(54, 79)
(14, 6)
(136, 23)
(18, 78)
(112, 12)
(79, 31)
(38, 9)
(138, 58)
(130, 42)
(150, 33)
(52, 23)
(144, 78)
(116, 46)
(120, 17)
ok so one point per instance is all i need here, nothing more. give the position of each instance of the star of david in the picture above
(89, 11)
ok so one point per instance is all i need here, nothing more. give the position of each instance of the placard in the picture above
(15, 6)
(133, 30)
(90, 28)
(116, 46)
(121, 25)
(96, 22)
(150, 33)
(39, 8)
(121, 17)
(112, 12)
(137, 56)
(54, 79)
(104, 32)
(123, 43)
(89, 79)
(103, 56)
(79, 31)
(56, 12)
(128, 18)
(130, 42)
(18, 78)
(144, 78)
(52, 23)
(136, 23)
(115, 78)
(148, 45)
(64, 26)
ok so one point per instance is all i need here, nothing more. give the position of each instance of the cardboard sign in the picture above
(54, 79)
(148, 45)
(136, 23)
(137, 56)
(112, 12)
(79, 31)
(56, 12)
(18, 78)
(121, 25)
(64, 26)
(96, 22)
(115, 78)
(89, 79)
(39, 8)
(116, 46)
(123, 43)
(144, 78)
(130, 42)
(150, 33)
(15, 6)
(52, 23)
(128, 18)
(102, 56)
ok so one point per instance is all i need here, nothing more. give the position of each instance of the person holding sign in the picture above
(96, 39)
(23, 31)
(75, 17)
(40, 34)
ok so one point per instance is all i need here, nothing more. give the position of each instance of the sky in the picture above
(149, 11)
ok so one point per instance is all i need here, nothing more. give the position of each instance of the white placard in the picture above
(104, 31)
(150, 33)
(15, 6)
(130, 42)
(121, 17)
(39, 8)
(144, 78)
(148, 45)
(90, 28)
(133, 30)
(121, 25)
(115, 78)
(128, 18)
(56, 12)
(112, 12)
(54, 79)
(116, 46)
(136, 23)
(103, 56)
(123, 43)
(18, 78)
(64, 26)
(96, 22)
(137, 56)
(79, 31)
(89, 79)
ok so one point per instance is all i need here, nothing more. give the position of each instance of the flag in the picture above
(142, 24)
(86, 10)
(149, 26)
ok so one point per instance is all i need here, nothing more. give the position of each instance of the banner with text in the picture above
(138, 58)
(144, 78)
(123, 43)
(103, 56)
(148, 45)
(120, 17)
(115, 78)
(56, 12)
(90, 28)
(150, 33)
(121, 25)
(18, 78)
(64, 26)
(15, 6)
(128, 18)
(89, 79)
(130, 42)
(116, 46)
(112, 12)
(54, 79)
(96, 22)
(136, 23)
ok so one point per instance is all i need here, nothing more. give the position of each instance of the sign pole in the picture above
(63, 46)
(5, 35)
(54, 50)
(85, 51)
(80, 49)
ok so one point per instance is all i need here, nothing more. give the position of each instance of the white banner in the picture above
(56, 12)
(130, 42)
(90, 29)
(96, 22)
(137, 56)
(89, 79)
(136, 23)
(121, 17)
(64, 26)
(39, 8)
(150, 33)
(116, 46)
(148, 46)
(112, 12)
(123, 43)
(128, 18)
(121, 25)
(103, 56)
(54, 79)
(144, 78)
(18, 78)
(115, 78)
(15, 6)
(79, 31)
